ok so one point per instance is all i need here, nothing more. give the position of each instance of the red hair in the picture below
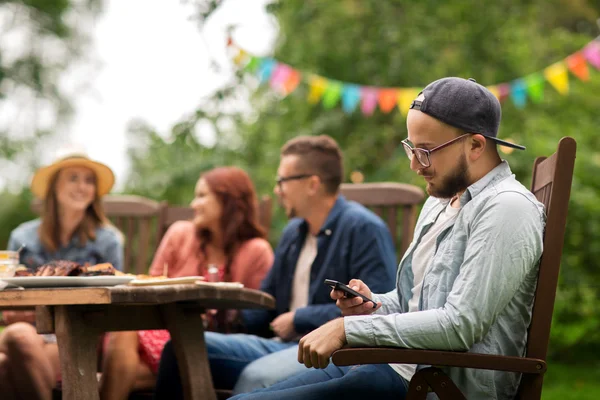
(239, 219)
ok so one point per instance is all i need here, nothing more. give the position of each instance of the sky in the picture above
(154, 64)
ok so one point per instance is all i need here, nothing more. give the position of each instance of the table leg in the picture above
(77, 347)
(187, 336)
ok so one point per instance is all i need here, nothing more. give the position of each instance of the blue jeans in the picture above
(376, 381)
(228, 355)
(269, 370)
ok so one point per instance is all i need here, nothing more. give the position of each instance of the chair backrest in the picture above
(551, 185)
(140, 220)
(386, 199)
(179, 213)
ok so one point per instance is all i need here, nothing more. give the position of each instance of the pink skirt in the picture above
(151, 346)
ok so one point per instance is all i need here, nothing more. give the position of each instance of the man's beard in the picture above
(456, 182)
(292, 213)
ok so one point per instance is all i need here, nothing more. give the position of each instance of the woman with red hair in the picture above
(224, 233)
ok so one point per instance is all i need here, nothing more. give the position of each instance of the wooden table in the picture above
(79, 316)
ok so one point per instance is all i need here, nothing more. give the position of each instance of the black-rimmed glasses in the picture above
(280, 179)
(423, 156)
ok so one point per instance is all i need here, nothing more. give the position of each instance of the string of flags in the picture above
(284, 79)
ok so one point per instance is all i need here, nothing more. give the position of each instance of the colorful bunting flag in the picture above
(592, 53)
(265, 69)
(369, 100)
(317, 87)
(558, 77)
(534, 85)
(578, 67)
(350, 98)
(332, 94)
(387, 99)
(517, 93)
(405, 97)
(285, 79)
(292, 82)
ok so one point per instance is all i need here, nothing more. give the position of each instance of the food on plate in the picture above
(69, 268)
(23, 271)
(98, 269)
(150, 277)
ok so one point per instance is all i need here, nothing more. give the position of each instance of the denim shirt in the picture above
(477, 291)
(107, 248)
(352, 243)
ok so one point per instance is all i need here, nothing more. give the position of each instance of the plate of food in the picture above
(68, 281)
(68, 274)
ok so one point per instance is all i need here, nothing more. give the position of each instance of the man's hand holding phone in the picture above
(351, 304)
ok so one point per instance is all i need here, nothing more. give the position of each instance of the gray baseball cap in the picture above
(464, 104)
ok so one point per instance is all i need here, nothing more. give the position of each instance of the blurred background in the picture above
(153, 89)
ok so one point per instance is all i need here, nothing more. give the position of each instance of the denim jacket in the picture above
(108, 247)
(352, 243)
(477, 291)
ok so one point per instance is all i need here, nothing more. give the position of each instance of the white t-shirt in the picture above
(422, 257)
(301, 282)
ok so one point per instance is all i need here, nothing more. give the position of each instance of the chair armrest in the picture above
(393, 355)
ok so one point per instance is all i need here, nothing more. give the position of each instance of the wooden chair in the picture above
(551, 184)
(140, 220)
(386, 199)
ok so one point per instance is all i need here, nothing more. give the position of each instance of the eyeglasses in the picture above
(423, 156)
(281, 179)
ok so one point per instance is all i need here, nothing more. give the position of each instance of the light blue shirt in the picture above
(106, 248)
(478, 290)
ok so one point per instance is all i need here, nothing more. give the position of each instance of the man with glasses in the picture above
(327, 237)
(467, 281)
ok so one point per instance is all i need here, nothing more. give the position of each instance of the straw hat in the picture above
(105, 178)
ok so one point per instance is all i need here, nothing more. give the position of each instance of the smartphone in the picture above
(349, 292)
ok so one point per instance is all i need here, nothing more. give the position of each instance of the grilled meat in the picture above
(59, 268)
(70, 268)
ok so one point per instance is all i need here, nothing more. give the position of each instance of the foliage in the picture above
(405, 43)
(39, 41)
(579, 381)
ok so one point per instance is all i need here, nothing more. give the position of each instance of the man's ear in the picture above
(478, 144)
(314, 184)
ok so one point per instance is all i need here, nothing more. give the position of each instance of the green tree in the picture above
(39, 41)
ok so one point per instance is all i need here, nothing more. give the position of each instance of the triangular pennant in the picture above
(503, 91)
(241, 57)
(558, 77)
(495, 91)
(517, 93)
(387, 99)
(265, 69)
(292, 82)
(350, 98)
(316, 86)
(405, 98)
(369, 100)
(332, 94)
(534, 85)
(592, 53)
(279, 76)
(253, 63)
(578, 66)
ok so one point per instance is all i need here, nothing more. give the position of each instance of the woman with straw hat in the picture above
(72, 224)
(72, 227)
